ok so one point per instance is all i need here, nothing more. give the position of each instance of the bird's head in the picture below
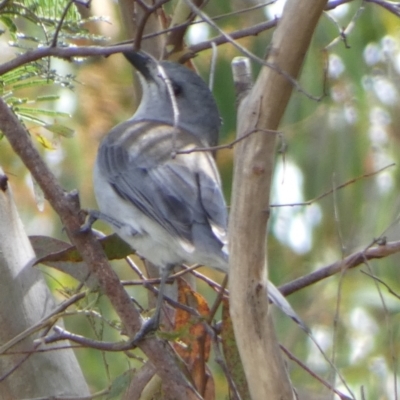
(176, 95)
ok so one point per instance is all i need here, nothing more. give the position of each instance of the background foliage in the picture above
(350, 131)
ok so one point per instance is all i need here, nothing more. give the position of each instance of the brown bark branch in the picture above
(351, 261)
(181, 19)
(263, 108)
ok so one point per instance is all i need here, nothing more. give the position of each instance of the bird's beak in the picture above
(144, 63)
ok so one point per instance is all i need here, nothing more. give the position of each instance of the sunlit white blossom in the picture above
(379, 116)
(389, 45)
(340, 11)
(385, 91)
(363, 329)
(335, 66)
(350, 114)
(372, 54)
(198, 33)
(293, 226)
(275, 10)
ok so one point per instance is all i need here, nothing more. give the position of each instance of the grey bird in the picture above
(159, 196)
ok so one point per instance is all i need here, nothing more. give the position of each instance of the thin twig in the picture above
(96, 395)
(214, 285)
(155, 281)
(339, 288)
(148, 283)
(390, 290)
(341, 37)
(229, 145)
(341, 186)
(25, 358)
(292, 357)
(147, 11)
(62, 334)
(44, 322)
(218, 300)
(222, 363)
(60, 23)
(345, 32)
(244, 10)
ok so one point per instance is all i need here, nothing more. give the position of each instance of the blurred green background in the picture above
(350, 131)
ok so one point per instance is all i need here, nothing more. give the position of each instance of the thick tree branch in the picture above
(254, 159)
(61, 52)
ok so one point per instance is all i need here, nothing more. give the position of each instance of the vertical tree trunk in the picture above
(262, 109)
(25, 300)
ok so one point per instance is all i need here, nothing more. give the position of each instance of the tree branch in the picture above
(253, 169)
(387, 5)
(105, 51)
(182, 18)
(351, 261)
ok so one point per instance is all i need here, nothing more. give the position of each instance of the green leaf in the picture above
(49, 251)
(41, 111)
(61, 130)
(9, 23)
(51, 97)
(15, 101)
(22, 80)
(31, 83)
(18, 74)
(30, 118)
(114, 247)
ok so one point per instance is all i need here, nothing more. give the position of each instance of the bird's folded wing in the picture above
(174, 190)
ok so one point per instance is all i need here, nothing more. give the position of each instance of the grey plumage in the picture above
(198, 112)
(171, 209)
(170, 205)
(167, 205)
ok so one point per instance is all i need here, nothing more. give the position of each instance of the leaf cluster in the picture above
(47, 21)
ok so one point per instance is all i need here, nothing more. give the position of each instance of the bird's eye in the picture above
(176, 88)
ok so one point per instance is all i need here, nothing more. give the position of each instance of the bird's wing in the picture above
(212, 199)
(174, 190)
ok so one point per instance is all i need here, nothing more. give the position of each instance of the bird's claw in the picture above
(93, 216)
(149, 326)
